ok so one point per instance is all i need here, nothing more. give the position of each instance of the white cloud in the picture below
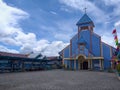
(62, 36)
(100, 15)
(12, 34)
(44, 46)
(117, 24)
(49, 48)
(63, 8)
(5, 49)
(54, 47)
(52, 12)
(111, 2)
(9, 27)
(115, 4)
(65, 29)
(115, 14)
(62, 30)
(91, 8)
(108, 38)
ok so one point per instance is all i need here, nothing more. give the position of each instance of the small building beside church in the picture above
(86, 49)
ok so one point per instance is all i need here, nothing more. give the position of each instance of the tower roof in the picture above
(85, 20)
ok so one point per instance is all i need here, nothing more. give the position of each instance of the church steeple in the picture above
(85, 23)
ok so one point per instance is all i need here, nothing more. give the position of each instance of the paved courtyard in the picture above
(59, 80)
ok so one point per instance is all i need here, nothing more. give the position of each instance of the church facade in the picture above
(86, 50)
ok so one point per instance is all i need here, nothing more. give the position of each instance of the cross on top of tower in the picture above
(85, 9)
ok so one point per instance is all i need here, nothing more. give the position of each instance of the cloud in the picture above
(107, 37)
(13, 35)
(117, 24)
(10, 31)
(61, 30)
(55, 46)
(9, 28)
(114, 11)
(103, 17)
(52, 12)
(5, 49)
(62, 36)
(115, 5)
(51, 48)
(111, 2)
(65, 29)
(66, 9)
(43, 46)
(81, 4)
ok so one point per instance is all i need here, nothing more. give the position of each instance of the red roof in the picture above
(12, 54)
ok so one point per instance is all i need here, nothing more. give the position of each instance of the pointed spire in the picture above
(85, 21)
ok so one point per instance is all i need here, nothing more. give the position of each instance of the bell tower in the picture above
(85, 23)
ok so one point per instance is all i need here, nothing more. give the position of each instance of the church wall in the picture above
(67, 52)
(76, 64)
(106, 55)
(68, 64)
(93, 46)
(95, 64)
(74, 45)
(96, 45)
(65, 63)
(72, 64)
(86, 52)
(66, 55)
(86, 35)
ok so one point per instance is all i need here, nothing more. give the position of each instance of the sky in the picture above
(46, 26)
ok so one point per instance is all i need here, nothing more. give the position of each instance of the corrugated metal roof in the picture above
(12, 54)
(34, 55)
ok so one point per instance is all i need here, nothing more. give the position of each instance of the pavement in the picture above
(59, 80)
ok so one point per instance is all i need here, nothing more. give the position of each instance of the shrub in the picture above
(63, 66)
(110, 70)
(118, 67)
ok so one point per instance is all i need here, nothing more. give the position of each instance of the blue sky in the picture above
(46, 26)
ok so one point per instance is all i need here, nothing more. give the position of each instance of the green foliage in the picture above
(63, 66)
(118, 56)
(118, 67)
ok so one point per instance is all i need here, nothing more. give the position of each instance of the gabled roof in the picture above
(84, 20)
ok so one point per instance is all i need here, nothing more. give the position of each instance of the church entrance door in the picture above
(83, 63)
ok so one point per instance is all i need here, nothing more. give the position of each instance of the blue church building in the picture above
(86, 49)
